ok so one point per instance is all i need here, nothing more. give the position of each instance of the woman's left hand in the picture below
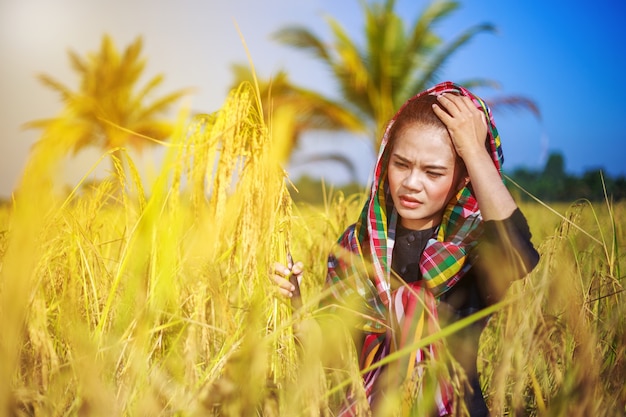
(465, 122)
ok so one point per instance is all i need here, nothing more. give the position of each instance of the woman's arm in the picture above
(468, 130)
(506, 252)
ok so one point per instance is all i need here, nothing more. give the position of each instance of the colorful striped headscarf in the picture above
(403, 316)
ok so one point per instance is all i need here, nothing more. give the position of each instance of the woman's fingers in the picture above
(295, 280)
(465, 103)
(457, 105)
(281, 270)
(297, 270)
(282, 276)
(465, 122)
(441, 113)
(449, 102)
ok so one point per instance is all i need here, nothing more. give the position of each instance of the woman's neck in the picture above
(415, 225)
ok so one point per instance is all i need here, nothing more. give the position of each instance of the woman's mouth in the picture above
(409, 202)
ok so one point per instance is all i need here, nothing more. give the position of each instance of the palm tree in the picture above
(107, 110)
(392, 64)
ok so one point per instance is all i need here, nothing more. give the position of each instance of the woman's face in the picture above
(423, 174)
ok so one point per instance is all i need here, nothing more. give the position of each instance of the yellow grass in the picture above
(132, 299)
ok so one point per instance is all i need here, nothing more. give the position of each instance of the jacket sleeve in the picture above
(505, 254)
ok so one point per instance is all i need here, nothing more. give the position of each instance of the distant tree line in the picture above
(553, 183)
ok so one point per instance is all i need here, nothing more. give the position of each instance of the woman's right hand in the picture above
(288, 278)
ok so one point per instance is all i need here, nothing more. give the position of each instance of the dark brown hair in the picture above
(418, 110)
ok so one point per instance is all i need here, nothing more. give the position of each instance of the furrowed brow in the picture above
(401, 158)
(436, 167)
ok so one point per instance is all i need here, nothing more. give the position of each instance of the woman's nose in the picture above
(413, 180)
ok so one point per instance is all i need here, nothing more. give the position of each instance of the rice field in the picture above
(132, 299)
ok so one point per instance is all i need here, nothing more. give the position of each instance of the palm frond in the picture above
(55, 85)
(515, 103)
(38, 124)
(304, 39)
(77, 63)
(336, 157)
(473, 83)
(422, 38)
(443, 54)
(326, 114)
(149, 87)
(428, 19)
(163, 104)
(349, 66)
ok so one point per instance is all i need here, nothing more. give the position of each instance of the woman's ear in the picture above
(463, 182)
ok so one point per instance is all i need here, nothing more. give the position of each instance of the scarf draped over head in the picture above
(361, 266)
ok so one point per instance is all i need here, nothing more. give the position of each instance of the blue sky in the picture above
(567, 56)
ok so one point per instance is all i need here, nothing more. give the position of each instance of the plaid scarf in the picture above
(401, 317)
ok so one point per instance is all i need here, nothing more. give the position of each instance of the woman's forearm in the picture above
(494, 200)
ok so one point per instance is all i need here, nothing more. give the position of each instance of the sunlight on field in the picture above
(116, 301)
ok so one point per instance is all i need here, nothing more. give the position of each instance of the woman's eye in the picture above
(434, 174)
(400, 164)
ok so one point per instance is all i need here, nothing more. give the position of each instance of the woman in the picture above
(444, 239)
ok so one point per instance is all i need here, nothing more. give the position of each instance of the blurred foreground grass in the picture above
(118, 301)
